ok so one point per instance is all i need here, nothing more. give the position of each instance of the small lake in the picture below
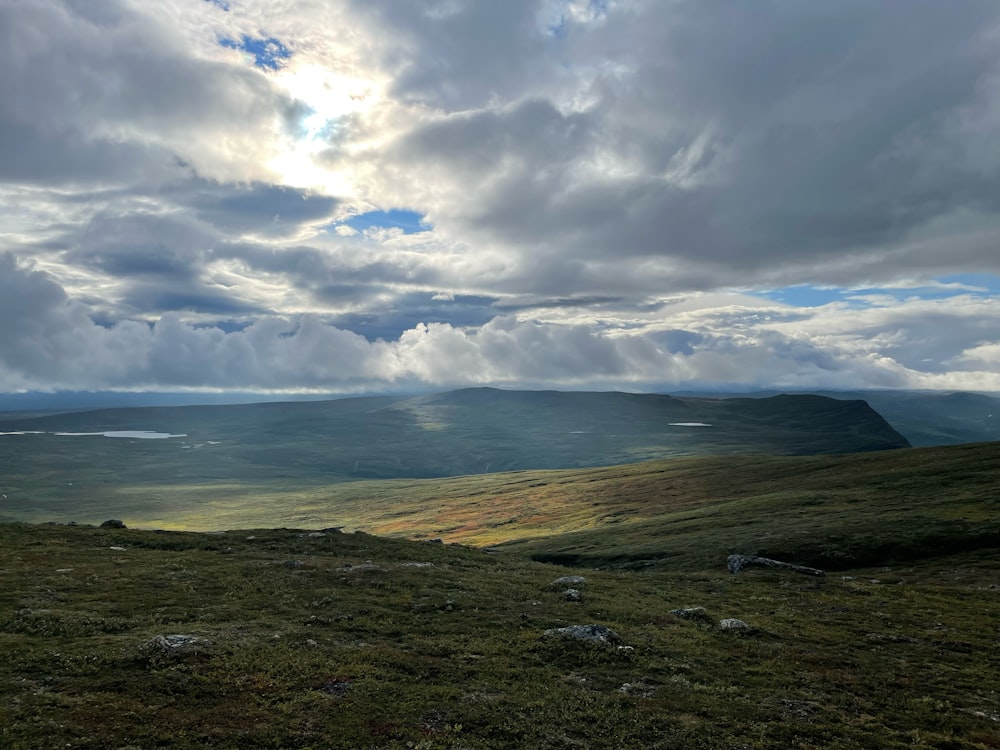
(140, 434)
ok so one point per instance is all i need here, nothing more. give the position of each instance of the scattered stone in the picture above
(572, 595)
(337, 686)
(117, 549)
(570, 581)
(736, 563)
(250, 538)
(64, 570)
(637, 689)
(598, 634)
(439, 540)
(313, 535)
(113, 523)
(333, 530)
(175, 644)
(731, 623)
(311, 643)
(294, 564)
(417, 565)
(799, 709)
(691, 613)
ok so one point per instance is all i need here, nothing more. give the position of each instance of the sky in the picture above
(354, 196)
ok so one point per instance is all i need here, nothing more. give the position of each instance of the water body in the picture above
(689, 424)
(141, 434)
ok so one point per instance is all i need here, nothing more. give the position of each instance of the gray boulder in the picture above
(736, 563)
(692, 613)
(731, 623)
(572, 595)
(174, 644)
(113, 523)
(597, 634)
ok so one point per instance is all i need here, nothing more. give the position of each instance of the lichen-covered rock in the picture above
(598, 634)
(731, 623)
(736, 563)
(572, 595)
(175, 643)
(692, 613)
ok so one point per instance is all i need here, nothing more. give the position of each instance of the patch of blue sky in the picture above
(806, 295)
(975, 283)
(410, 222)
(219, 4)
(556, 22)
(268, 54)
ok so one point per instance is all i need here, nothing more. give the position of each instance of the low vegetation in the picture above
(279, 638)
(352, 641)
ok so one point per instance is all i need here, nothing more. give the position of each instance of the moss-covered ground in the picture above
(355, 641)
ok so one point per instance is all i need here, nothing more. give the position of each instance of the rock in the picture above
(294, 564)
(571, 581)
(598, 634)
(337, 686)
(731, 623)
(637, 689)
(117, 549)
(691, 613)
(113, 523)
(572, 595)
(312, 535)
(736, 563)
(175, 644)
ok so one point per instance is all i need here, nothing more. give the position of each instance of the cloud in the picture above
(50, 342)
(541, 192)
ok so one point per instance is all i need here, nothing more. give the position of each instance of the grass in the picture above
(442, 646)
(830, 511)
(353, 640)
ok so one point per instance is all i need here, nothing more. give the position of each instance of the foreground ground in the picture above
(352, 641)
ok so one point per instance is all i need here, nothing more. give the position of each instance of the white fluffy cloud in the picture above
(596, 180)
(52, 343)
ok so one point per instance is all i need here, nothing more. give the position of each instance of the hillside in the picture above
(936, 418)
(283, 638)
(258, 449)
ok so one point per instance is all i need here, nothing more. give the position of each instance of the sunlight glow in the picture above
(332, 98)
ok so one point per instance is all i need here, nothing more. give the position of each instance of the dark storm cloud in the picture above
(734, 136)
(257, 208)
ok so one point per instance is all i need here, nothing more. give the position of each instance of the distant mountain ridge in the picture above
(468, 431)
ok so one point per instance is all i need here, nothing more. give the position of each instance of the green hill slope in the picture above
(282, 639)
(461, 432)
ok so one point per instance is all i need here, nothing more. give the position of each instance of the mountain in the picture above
(924, 418)
(468, 431)
(936, 418)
